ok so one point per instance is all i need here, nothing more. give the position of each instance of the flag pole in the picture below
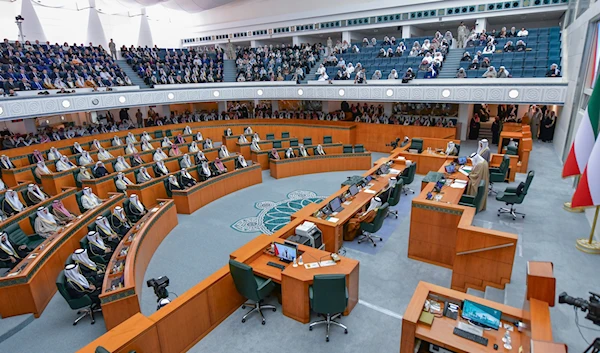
(590, 246)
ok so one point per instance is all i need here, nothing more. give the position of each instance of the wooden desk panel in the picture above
(263, 158)
(496, 159)
(427, 162)
(284, 168)
(541, 283)
(32, 288)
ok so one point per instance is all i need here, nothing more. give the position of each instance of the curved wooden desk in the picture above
(203, 193)
(263, 157)
(122, 287)
(29, 287)
(284, 168)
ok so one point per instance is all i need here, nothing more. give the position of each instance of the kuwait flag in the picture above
(587, 132)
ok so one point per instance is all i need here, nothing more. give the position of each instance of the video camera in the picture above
(393, 144)
(592, 306)
(160, 287)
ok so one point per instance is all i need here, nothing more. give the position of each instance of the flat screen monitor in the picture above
(335, 204)
(450, 168)
(481, 314)
(462, 160)
(286, 252)
(353, 190)
(368, 179)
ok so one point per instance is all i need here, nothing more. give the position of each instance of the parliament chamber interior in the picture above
(237, 176)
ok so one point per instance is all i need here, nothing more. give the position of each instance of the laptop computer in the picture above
(336, 205)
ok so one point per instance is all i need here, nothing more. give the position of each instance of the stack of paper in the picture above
(394, 171)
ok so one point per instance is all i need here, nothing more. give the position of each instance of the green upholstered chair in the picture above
(474, 201)
(407, 180)
(28, 202)
(307, 141)
(348, 149)
(512, 150)
(251, 287)
(394, 198)
(294, 143)
(416, 144)
(78, 196)
(359, 148)
(32, 218)
(285, 135)
(327, 139)
(158, 134)
(83, 305)
(513, 196)
(35, 177)
(169, 133)
(499, 175)
(76, 172)
(270, 136)
(328, 297)
(101, 349)
(276, 144)
(84, 244)
(17, 236)
(457, 148)
(367, 229)
(69, 260)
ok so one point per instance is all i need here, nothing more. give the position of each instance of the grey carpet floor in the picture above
(202, 242)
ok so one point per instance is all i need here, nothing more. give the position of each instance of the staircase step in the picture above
(494, 294)
(135, 78)
(514, 297)
(475, 292)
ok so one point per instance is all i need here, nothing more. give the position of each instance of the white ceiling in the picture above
(190, 6)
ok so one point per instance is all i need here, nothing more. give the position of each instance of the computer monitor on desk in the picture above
(286, 252)
(336, 205)
(481, 315)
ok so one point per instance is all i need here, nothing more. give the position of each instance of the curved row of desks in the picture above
(29, 287)
(283, 168)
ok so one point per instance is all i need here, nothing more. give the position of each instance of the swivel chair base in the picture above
(392, 212)
(406, 189)
(87, 312)
(368, 236)
(512, 211)
(256, 307)
(329, 320)
(491, 190)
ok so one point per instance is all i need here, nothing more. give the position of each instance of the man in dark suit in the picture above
(9, 85)
(37, 84)
(24, 85)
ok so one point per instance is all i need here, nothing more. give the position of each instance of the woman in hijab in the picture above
(105, 231)
(208, 144)
(483, 150)
(451, 149)
(474, 127)
(200, 157)
(11, 205)
(147, 146)
(193, 148)
(187, 130)
(159, 155)
(96, 145)
(77, 148)
(353, 228)
(97, 247)
(136, 209)
(320, 150)
(53, 154)
(104, 155)
(122, 182)
(274, 154)
(290, 153)
(166, 142)
(64, 164)
(35, 195)
(116, 141)
(99, 170)
(131, 138)
(143, 176)
(78, 286)
(223, 152)
(219, 167)
(204, 170)
(45, 224)
(185, 162)
(173, 184)
(92, 271)
(255, 147)
(241, 162)
(547, 127)
(130, 149)
(242, 139)
(60, 212)
(160, 169)
(119, 222)
(199, 137)
(302, 152)
(185, 179)
(85, 158)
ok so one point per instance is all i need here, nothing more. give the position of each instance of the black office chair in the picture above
(84, 305)
(252, 287)
(328, 297)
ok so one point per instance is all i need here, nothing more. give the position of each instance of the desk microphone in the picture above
(318, 261)
(328, 255)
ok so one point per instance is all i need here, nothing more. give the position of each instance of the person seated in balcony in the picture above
(490, 73)
(523, 32)
(521, 45)
(485, 63)
(389, 53)
(408, 75)
(386, 41)
(373, 42)
(553, 71)
(393, 75)
(438, 59)
(474, 65)
(382, 53)
(340, 76)
(509, 47)
(423, 65)
(323, 77)
(466, 56)
(376, 75)
(432, 72)
(413, 52)
(490, 48)
(426, 47)
(461, 73)
(512, 33)
(503, 73)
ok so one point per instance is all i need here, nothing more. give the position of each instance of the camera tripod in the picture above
(594, 347)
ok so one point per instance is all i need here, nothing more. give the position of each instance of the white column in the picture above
(325, 107)
(465, 112)
(388, 108)
(406, 31)
(163, 110)
(296, 40)
(95, 31)
(253, 43)
(275, 105)
(346, 36)
(32, 28)
(481, 24)
(145, 35)
(222, 106)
